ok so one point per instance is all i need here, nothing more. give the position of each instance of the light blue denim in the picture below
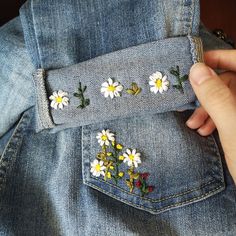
(45, 181)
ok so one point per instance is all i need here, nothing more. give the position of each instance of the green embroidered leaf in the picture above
(130, 91)
(134, 86)
(134, 90)
(80, 95)
(184, 78)
(178, 86)
(174, 72)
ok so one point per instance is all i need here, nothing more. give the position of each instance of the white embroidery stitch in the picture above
(158, 82)
(59, 99)
(111, 88)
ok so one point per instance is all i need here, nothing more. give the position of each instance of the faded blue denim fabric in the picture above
(45, 179)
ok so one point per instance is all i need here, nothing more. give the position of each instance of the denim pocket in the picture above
(183, 167)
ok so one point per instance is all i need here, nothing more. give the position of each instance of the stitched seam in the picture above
(37, 100)
(37, 42)
(161, 199)
(153, 210)
(42, 101)
(5, 162)
(196, 49)
(191, 7)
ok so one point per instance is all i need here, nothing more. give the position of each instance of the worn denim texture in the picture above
(45, 182)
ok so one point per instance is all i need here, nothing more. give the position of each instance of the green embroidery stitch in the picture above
(134, 90)
(180, 79)
(84, 101)
(110, 158)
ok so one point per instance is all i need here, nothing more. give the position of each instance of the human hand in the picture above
(217, 95)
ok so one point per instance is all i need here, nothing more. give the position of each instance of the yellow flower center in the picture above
(131, 157)
(98, 167)
(104, 137)
(158, 83)
(111, 88)
(59, 99)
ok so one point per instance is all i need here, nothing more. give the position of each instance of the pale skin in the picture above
(217, 96)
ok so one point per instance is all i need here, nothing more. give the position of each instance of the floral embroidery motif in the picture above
(132, 157)
(105, 137)
(134, 90)
(97, 168)
(59, 99)
(110, 159)
(84, 101)
(180, 79)
(111, 89)
(158, 82)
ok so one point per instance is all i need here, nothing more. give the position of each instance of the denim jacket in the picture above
(115, 157)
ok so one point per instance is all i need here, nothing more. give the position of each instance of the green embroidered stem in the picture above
(84, 101)
(180, 79)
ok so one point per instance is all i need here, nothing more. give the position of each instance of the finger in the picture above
(229, 78)
(221, 59)
(197, 119)
(214, 96)
(207, 128)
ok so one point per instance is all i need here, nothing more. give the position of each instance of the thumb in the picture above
(214, 96)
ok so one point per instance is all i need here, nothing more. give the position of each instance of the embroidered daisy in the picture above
(97, 168)
(158, 82)
(105, 137)
(132, 157)
(59, 99)
(111, 89)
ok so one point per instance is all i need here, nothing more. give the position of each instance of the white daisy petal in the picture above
(110, 81)
(105, 84)
(60, 106)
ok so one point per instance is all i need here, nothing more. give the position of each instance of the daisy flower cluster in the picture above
(111, 157)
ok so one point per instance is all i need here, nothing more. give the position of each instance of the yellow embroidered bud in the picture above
(121, 158)
(130, 172)
(109, 154)
(135, 176)
(111, 167)
(108, 175)
(113, 143)
(121, 174)
(119, 146)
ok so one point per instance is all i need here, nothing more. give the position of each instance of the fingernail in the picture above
(199, 73)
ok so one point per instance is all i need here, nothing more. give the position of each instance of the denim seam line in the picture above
(215, 190)
(161, 199)
(42, 100)
(196, 49)
(11, 149)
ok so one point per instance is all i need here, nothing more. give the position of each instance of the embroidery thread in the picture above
(110, 158)
(59, 99)
(180, 79)
(84, 101)
(158, 83)
(134, 90)
(111, 89)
